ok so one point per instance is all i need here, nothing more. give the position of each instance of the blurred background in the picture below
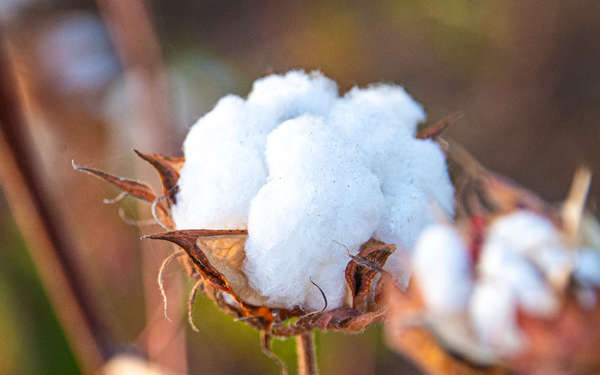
(97, 79)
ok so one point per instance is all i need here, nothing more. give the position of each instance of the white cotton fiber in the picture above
(224, 168)
(587, 267)
(443, 269)
(222, 200)
(521, 250)
(493, 314)
(381, 122)
(309, 174)
(414, 181)
(377, 119)
(294, 94)
(320, 201)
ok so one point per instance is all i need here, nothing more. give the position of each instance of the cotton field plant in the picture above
(298, 209)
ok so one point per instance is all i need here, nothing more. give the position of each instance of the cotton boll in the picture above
(492, 312)
(304, 171)
(293, 94)
(442, 267)
(208, 198)
(300, 218)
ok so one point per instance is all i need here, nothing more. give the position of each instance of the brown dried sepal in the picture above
(134, 188)
(363, 273)
(341, 319)
(186, 239)
(406, 333)
(168, 168)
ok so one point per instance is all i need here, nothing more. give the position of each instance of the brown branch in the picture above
(47, 242)
(305, 349)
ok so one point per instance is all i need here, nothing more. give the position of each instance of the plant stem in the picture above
(307, 359)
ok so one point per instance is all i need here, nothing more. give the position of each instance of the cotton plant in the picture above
(506, 285)
(298, 202)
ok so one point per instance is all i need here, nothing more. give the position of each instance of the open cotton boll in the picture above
(302, 219)
(211, 199)
(309, 173)
(443, 269)
(294, 94)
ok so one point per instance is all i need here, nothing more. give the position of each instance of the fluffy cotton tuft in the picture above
(322, 201)
(443, 267)
(311, 175)
(518, 246)
(493, 314)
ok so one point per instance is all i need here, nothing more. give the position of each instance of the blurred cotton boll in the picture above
(312, 176)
